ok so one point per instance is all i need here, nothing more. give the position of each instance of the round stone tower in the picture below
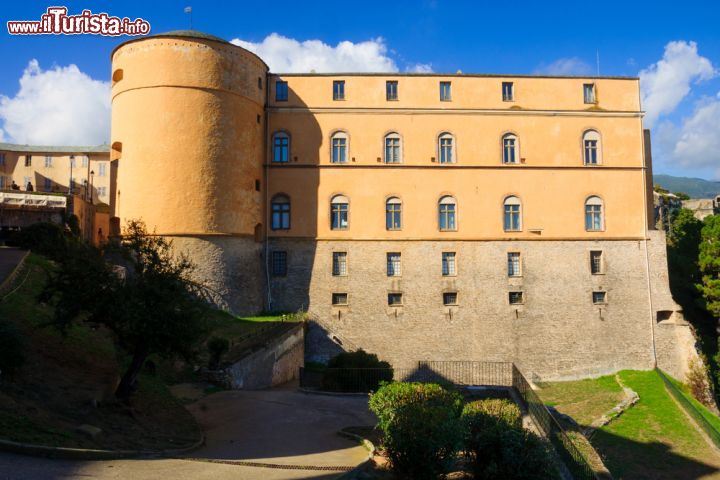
(188, 116)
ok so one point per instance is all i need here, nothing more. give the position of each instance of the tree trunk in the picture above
(129, 379)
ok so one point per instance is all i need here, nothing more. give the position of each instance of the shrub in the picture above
(12, 348)
(697, 380)
(421, 426)
(217, 346)
(44, 238)
(498, 446)
(357, 371)
(492, 411)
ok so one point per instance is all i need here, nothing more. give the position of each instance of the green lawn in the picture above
(583, 400)
(713, 419)
(652, 440)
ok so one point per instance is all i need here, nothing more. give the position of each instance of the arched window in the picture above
(446, 148)
(592, 151)
(594, 220)
(512, 221)
(511, 149)
(339, 210)
(339, 146)
(280, 215)
(393, 214)
(393, 148)
(447, 210)
(281, 147)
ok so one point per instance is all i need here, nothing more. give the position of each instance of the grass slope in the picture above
(66, 376)
(652, 440)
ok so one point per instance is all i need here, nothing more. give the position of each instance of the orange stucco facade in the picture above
(194, 128)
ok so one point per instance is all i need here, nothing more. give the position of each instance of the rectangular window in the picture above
(448, 264)
(593, 218)
(339, 149)
(392, 149)
(338, 216)
(395, 299)
(596, 262)
(446, 149)
(507, 91)
(47, 185)
(278, 264)
(339, 265)
(339, 299)
(599, 298)
(450, 298)
(512, 218)
(393, 212)
(516, 298)
(445, 92)
(84, 161)
(2, 159)
(591, 157)
(281, 148)
(589, 92)
(391, 90)
(280, 216)
(513, 263)
(338, 89)
(28, 160)
(281, 91)
(27, 182)
(447, 216)
(393, 265)
(102, 191)
(48, 161)
(102, 169)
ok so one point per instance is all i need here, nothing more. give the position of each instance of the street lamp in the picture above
(92, 172)
(72, 160)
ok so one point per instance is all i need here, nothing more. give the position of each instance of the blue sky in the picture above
(485, 37)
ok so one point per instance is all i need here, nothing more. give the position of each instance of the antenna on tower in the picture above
(188, 10)
(597, 54)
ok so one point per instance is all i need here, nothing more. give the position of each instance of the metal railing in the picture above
(690, 409)
(572, 457)
(459, 373)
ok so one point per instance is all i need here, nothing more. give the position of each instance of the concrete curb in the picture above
(352, 474)
(91, 454)
(331, 394)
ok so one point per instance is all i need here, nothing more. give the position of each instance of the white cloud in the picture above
(287, 55)
(695, 144)
(420, 68)
(665, 84)
(565, 66)
(60, 106)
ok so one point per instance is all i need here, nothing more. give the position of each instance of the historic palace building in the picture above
(416, 216)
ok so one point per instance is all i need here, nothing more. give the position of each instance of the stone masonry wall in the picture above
(556, 334)
(231, 266)
(674, 337)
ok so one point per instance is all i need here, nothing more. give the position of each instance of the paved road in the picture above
(9, 258)
(274, 427)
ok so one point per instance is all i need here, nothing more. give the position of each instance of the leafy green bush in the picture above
(46, 239)
(421, 426)
(357, 371)
(488, 413)
(12, 348)
(217, 346)
(498, 446)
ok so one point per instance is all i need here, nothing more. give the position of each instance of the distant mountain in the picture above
(695, 187)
